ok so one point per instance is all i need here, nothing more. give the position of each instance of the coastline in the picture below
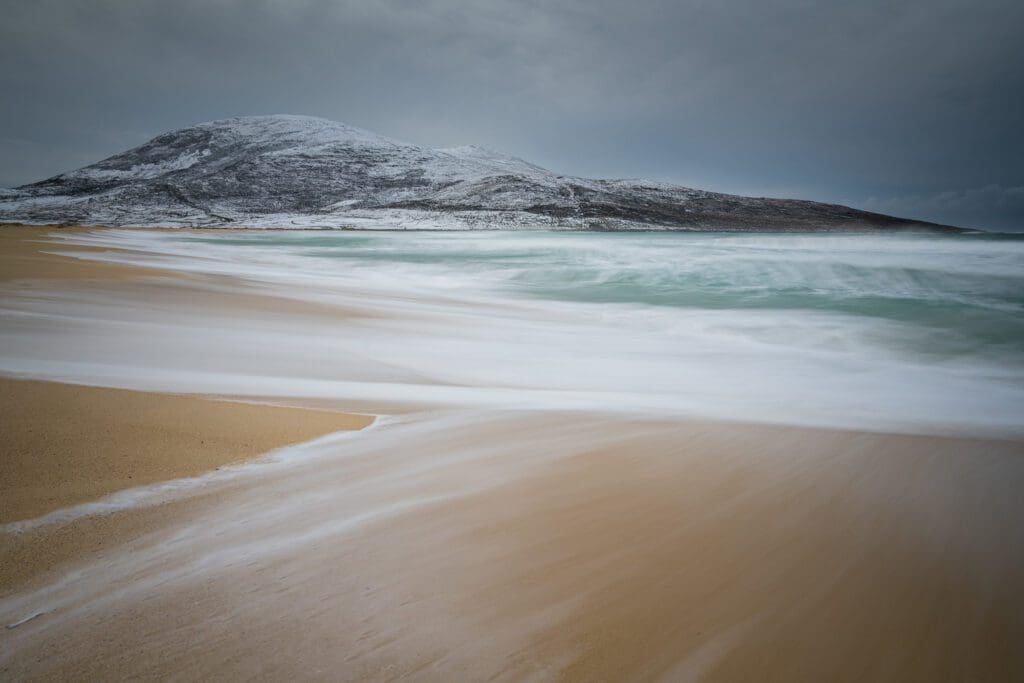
(24, 258)
(562, 546)
(518, 542)
(66, 445)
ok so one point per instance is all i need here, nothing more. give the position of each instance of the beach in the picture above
(449, 496)
(67, 444)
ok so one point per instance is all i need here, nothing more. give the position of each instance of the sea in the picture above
(900, 332)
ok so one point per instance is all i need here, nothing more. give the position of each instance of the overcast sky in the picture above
(911, 108)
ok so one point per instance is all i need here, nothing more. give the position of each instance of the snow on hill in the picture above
(300, 171)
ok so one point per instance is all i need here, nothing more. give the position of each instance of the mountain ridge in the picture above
(300, 171)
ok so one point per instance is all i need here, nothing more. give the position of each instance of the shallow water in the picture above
(960, 291)
(907, 332)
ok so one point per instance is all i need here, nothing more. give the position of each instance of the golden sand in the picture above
(673, 552)
(66, 444)
(23, 256)
(596, 549)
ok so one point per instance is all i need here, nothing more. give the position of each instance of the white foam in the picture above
(428, 332)
(154, 494)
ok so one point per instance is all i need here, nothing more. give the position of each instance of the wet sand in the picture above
(24, 256)
(516, 546)
(512, 545)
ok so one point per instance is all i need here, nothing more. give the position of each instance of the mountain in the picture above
(299, 171)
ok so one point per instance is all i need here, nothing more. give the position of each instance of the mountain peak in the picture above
(288, 127)
(303, 170)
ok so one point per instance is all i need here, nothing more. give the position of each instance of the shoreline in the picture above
(940, 230)
(561, 546)
(486, 542)
(66, 445)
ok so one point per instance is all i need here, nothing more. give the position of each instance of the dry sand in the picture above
(65, 444)
(512, 546)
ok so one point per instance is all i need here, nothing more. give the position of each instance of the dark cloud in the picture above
(913, 107)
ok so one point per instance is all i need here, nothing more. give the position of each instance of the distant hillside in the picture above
(298, 171)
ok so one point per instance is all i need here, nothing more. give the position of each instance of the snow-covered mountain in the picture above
(299, 171)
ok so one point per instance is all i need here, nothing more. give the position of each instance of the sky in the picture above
(913, 108)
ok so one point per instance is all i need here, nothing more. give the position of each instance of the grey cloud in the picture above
(1002, 206)
(862, 103)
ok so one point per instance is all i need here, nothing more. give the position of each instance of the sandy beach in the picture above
(463, 536)
(66, 445)
(69, 444)
(25, 256)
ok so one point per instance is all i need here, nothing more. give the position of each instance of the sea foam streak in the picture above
(907, 333)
